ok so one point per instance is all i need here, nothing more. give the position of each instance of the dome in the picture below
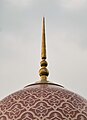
(43, 101)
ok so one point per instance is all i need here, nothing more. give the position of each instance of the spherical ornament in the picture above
(43, 101)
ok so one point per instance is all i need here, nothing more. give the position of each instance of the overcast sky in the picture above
(20, 43)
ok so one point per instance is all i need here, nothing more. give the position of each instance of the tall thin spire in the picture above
(43, 53)
(43, 72)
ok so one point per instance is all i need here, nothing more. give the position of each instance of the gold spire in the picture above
(43, 54)
(43, 72)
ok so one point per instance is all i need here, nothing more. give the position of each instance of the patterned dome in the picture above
(43, 102)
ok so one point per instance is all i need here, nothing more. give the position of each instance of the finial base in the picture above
(44, 79)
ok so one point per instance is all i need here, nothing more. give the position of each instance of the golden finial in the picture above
(43, 72)
(43, 54)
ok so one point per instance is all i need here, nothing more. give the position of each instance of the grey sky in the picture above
(20, 43)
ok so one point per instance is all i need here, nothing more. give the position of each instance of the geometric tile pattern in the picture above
(43, 102)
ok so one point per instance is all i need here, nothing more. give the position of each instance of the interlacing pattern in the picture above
(43, 102)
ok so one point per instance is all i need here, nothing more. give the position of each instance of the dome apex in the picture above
(43, 100)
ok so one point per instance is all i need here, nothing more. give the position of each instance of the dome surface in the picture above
(43, 102)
